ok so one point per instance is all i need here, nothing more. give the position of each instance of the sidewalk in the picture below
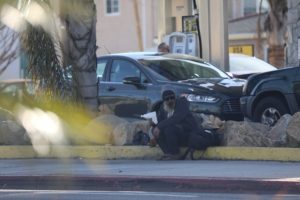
(224, 169)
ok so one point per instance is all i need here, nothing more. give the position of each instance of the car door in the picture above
(126, 100)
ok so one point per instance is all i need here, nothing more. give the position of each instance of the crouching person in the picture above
(175, 123)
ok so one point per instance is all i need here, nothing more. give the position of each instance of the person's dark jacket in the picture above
(181, 116)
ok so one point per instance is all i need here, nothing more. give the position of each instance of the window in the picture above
(100, 68)
(209, 73)
(122, 69)
(252, 6)
(249, 7)
(112, 7)
(177, 70)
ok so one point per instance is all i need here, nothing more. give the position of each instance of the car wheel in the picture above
(269, 110)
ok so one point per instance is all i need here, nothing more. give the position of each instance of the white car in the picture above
(242, 66)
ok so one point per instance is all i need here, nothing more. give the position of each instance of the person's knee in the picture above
(171, 130)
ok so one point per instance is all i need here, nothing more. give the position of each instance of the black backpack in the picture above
(201, 140)
(141, 138)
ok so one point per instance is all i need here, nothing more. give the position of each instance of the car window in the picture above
(121, 69)
(208, 73)
(101, 64)
(176, 69)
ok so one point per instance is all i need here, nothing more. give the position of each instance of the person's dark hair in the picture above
(163, 47)
(168, 94)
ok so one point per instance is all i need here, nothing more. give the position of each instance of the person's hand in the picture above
(151, 123)
(156, 132)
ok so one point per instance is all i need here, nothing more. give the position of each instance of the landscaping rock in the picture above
(278, 132)
(100, 130)
(245, 134)
(12, 133)
(123, 134)
(293, 131)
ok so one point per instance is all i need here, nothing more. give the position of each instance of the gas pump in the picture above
(176, 42)
(183, 43)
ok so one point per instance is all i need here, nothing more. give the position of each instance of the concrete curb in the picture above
(108, 152)
(150, 183)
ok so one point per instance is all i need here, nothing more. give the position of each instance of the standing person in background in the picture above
(163, 47)
(175, 122)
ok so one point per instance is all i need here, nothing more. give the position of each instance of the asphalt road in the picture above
(131, 195)
(150, 175)
(187, 168)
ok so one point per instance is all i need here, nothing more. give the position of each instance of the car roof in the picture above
(249, 64)
(155, 55)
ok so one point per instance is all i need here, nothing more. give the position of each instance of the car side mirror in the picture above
(230, 74)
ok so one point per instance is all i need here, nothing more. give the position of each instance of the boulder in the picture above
(99, 130)
(5, 115)
(278, 132)
(293, 131)
(208, 121)
(12, 133)
(105, 109)
(211, 122)
(123, 134)
(245, 134)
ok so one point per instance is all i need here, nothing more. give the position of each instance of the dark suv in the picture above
(131, 84)
(268, 96)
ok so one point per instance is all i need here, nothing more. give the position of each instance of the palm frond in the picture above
(43, 63)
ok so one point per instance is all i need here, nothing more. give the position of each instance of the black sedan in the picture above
(131, 84)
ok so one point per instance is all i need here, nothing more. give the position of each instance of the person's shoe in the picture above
(152, 143)
(170, 157)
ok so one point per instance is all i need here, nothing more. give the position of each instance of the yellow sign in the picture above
(243, 49)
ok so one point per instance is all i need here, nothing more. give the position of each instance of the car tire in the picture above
(269, 110)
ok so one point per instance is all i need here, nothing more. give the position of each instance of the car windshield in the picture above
(178, 69)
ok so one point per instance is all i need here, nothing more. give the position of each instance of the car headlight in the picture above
(200, 98)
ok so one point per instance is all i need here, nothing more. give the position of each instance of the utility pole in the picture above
(214, 32)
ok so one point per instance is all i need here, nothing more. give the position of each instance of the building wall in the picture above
(119, 33)
(241, 8)
(243, 31)
(235, 9)
(242, 26)
(179, 8)
(13, 71)
(293, 50)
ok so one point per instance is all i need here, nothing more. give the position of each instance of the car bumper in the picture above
(246, 105)
(225, 110)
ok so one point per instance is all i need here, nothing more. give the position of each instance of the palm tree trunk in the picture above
(275, 25)
(79, 18)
